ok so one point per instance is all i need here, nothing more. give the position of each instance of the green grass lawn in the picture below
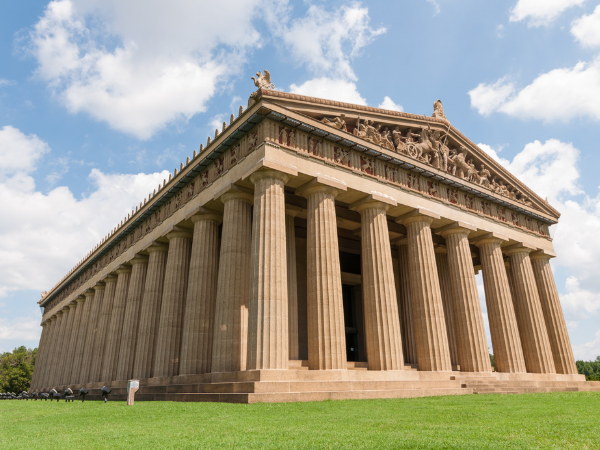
(560, 420)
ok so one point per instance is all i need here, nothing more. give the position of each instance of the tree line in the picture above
(16, 369)
(591, 369)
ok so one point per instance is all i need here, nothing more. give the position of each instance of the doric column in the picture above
(74, 340)
(553, 315)
(150, 311)
(473, 354)
(441, 261)
(65, 354)
(54, 362)
(129, 334)
(89, 350)
(102, 328)
(530, 318)
(508, 353)
(168, 344)
(84, 320)
(292, 281)
(431, 336)
(380, 304)
(41, 354)
(409, 345)
(325, 306)
(233, 286)
(47, 363)
(115, 328)
(196, 344)
(268, 340)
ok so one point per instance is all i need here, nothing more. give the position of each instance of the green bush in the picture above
(591, 369)
(16, 369)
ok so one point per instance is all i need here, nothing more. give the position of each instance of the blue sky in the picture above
(100, 98)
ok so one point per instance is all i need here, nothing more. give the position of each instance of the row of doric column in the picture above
(197, 305)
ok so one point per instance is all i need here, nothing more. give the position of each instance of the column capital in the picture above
(418, 215)
(177, 231)
(489, 238)
(99, 286)
(439, 248)
(123, 269)
(80, 298)
(232, 191)
(542, 254)
(455, 228)
(266, 164)
(521, 247)
(270, 174)
(373, 201)
(138, 259)
(321, 183)
(292, 210)
(201, 213)
(156, 247)
(89, 292)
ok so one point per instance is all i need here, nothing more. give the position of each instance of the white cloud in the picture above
(588, 351)
(389, 104)
(45, 234)
(486, 98)
(541, 12)
(19, 152)
(558, 95)
(436, 6)
(23, 330)
(327, 41)
(5, 82)
(168, 60)
(331, 89)
(586, 29)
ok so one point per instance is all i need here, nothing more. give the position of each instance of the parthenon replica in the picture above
(317, 250)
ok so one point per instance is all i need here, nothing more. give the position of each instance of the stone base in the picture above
(300, 384)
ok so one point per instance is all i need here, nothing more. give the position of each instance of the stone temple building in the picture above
(315, 250)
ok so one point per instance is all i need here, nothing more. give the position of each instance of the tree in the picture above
(591, 369)
(16, 369)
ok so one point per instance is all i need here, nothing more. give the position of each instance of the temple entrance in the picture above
(350, 321)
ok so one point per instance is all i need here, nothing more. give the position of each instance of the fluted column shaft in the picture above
(471, 342)
(54, 362)
(67, 341)
(168, 345)
(115, 327)
(431, 336)
(553, 315)
(45, 362)
(197, 340)
(74, 340)
(89, 356)
(150, 311)
(84, 320)
(292, 283)
(508, 353)
(102, 331)
(441, 261)
(382, 321)
(409, 345)
(530, 318)
(230, 338)
(135, 292)
(41, 353)
(268, 339)
(325, 306)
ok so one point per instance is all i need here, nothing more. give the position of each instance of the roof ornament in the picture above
(438, 110)
(263, 81)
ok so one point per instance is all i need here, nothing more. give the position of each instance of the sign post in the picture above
(132, 387)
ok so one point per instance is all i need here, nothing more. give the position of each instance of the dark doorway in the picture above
(353, 323)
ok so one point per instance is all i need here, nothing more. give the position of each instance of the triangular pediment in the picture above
(431, 144)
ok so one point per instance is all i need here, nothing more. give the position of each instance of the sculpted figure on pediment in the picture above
(460, 161)
(386, 140)
(398, 140)
(473, 175)
(336, 122)
(484, 176)
(438, 110)
(263, 81)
